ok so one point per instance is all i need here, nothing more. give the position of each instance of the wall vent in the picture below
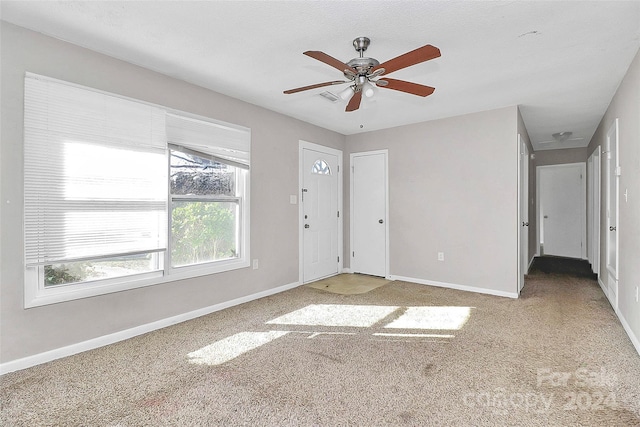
(330, 96)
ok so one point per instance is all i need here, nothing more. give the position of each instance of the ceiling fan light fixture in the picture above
(562, 136)
(368, 89)
(346, 93)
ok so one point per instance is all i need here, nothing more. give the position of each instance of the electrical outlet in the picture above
(440, 256)
(255, 264)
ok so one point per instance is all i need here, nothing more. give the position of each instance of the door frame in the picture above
(593, 208)
(583, 212)
(523, 182)
(612, 137)
(305, 145)
(385, 152)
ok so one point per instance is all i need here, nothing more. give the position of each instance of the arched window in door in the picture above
(321, 167)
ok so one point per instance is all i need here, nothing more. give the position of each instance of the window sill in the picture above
(36, 296)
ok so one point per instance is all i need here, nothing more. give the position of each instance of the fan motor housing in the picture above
(362, 65)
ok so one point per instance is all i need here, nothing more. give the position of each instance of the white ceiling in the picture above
(561, 61)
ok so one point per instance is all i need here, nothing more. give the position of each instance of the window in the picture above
(205, 209)
(121, 194)
(321, 167)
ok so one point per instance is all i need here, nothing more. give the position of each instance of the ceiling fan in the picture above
(561, 137)
(364, 73)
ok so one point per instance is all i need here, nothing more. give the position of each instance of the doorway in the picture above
(562, 210)
(369, 235)
(320, 212)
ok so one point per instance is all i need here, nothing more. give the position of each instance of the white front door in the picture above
(562, 210)
(524, 211)
(369, 225)
(320, 214)
(612, 177)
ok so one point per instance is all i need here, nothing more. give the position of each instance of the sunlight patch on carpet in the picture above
(361, 316)
(229, 348)
(432, 318)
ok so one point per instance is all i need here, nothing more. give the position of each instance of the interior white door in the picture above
(562, 209)
(524, 212)
(320, 214)
(612, 176)
(369, 228)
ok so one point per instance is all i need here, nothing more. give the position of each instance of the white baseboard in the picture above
(91, 344)
(634, 339)
(604, 289)
(456, 286)
(629, 331)
(349, 271)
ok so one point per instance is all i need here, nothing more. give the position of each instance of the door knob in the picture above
(612, 228)
(525, 224)
(306, 226)
(380, 221)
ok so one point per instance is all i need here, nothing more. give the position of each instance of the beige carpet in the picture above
(401, 354)
(349, 284)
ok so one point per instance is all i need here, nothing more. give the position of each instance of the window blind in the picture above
(95, 179)
(223, 142)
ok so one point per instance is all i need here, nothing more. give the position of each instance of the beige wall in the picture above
(558, 157)
(274, 176)
(452, 188)
(626, 107)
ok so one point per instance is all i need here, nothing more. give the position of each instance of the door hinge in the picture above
(338, 259)
(338, 168)
(338, 214)
(353, 254)
(353, 168)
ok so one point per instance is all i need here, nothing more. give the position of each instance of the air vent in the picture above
(330, 96)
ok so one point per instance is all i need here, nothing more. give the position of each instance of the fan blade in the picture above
(354, 102)
(300, 89)
(404, 86)
(416, 56)
(329, 60)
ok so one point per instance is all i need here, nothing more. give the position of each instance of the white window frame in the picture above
(215, 266)
(36, 294)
